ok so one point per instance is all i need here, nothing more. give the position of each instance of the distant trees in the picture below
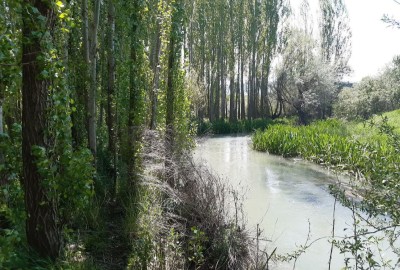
(303, 80)
(372, 95)
(231, 47)
(335, 34)
(308, 70)
(245, 41)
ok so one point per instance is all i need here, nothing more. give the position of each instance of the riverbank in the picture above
(224, 127)
(284, 198)
(368, 151)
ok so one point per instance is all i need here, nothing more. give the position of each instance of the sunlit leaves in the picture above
(59, 4)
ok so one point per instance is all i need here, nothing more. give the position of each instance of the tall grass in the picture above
(375, 159)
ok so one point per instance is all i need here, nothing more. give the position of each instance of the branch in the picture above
(391, 21)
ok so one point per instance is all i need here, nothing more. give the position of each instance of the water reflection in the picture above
(286, 197)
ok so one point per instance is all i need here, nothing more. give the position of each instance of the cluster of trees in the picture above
(230, 46)
(80, 80)
(372, 95)
(261, 59)
(77, 76)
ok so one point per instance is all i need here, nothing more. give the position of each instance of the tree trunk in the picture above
(42, 230)
(170, 113)
(218, 83)
(232, 112)
(132, 129)
(175, 46)
(90, 49)
(156, 78)
(211, 91)
(238, 100)
(232, 101)
(111, 96)
(223, 90)
(222, 63)
(243, 104)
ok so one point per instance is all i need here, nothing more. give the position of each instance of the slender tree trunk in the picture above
(243, 104)
(90, 50)
(156, 78)
(222, 62)
(93, 77)
(238, 100)
(211, 91)
(223, 90)
(170, 112)
(218, 84)
(111, 126)
(232, 112)
(43, 232)
(232, 101)
(132, 129)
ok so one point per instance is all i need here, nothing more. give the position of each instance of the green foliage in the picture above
(373, 95)
(12, 209)
(196, 249)
(68, 173)
(240, 126)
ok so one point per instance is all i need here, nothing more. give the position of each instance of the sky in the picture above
(374, 43)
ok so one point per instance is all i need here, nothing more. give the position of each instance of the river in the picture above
(288, 198)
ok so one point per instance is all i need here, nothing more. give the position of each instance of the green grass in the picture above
(367, 130)
(369, 150)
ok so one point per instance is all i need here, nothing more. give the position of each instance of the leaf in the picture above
(42, 18)
(35, 10)
(60, 4)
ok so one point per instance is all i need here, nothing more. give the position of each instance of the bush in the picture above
(191, 225)
(240, 126)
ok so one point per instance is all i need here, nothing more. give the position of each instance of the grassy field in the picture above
(368, 129)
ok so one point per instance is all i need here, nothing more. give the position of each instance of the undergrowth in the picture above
(222, 126)
(190, 225)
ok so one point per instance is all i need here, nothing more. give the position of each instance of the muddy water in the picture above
(288, 198)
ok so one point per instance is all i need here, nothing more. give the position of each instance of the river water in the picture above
(288, 198)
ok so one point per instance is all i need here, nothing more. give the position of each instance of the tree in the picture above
(42, 230)
(137, 86)
(304, 80)
(335, 35)
(111, 125)
(90, 50)
(175, 46)
(274, 12)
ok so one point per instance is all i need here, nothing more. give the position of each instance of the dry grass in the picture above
(191, 220)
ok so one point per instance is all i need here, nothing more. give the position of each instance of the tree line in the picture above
(264, 59)
(76, 81)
